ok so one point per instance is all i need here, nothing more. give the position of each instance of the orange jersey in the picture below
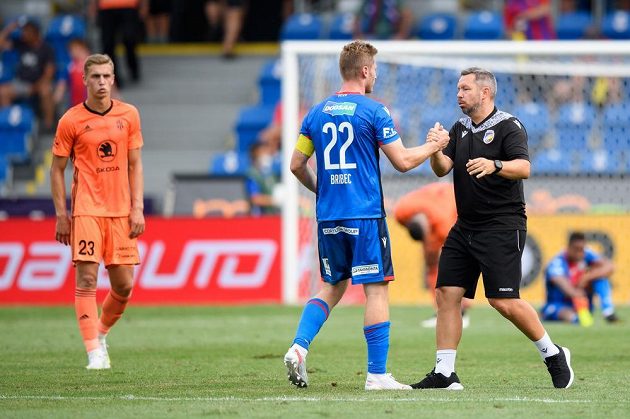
(437, 202)
(98, 145)
(118, 4)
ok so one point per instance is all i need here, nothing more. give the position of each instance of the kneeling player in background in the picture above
(572, 279)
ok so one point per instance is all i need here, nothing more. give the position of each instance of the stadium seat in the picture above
(552, 162)
(446, 114)
(535, 118)
(341, 26)
(615, 128)
(437, 26)
(61, 30)
(616, 25)
(269, 82)
(229, 163)
(16, 128)
(600, 161)
(574, 125)
(573, 25)
(4, 170)
(506, 91)
(8, 62)
(302, 26)
(484, 25)
(251, 121)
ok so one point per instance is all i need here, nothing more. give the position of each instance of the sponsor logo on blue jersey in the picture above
(339, 108)
(389, 133)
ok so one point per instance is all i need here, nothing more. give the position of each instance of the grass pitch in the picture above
(205, 361)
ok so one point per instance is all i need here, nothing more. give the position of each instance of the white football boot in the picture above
(295, 361)
(383, 382)
(98, 360)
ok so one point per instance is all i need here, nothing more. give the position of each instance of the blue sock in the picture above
(315, 313)
(601, 287)
(377, 338)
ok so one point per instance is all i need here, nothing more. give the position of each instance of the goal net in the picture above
(572, 97)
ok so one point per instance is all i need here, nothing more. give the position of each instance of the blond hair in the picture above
(354, 57)
(97, 59)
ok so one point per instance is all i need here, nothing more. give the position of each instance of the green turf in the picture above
(202, 361)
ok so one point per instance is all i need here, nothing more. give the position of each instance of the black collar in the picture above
(97, 112)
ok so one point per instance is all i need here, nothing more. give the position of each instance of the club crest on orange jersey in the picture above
(120, 125)
(488, 137)
(106, 150)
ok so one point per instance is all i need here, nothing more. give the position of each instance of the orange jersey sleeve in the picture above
(135, 130)
(64, 137)
(98, 144)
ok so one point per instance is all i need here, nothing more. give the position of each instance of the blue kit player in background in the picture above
(577, 272)
(345, 131)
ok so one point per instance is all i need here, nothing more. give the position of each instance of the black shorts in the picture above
(495, 254)
(159, 7)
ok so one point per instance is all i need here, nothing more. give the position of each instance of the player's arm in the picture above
(304, 149)
(5, 42)
(58, 191)
(602, 267)
(566, 287)
(404, 159)
(136, 188)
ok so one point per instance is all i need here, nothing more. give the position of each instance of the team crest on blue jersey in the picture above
(339, 108)
(488, 137)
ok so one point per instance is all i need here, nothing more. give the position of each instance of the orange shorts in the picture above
(103, 238)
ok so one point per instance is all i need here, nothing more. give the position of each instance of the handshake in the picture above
(438, 135)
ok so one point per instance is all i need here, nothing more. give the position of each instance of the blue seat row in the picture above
(479, 25)
(17, 124)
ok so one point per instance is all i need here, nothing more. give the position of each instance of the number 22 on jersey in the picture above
(331, 128)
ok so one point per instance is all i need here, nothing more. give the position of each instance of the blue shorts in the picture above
(550, 311)
(357, 249)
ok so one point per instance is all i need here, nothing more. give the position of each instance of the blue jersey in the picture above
(346, 130)
(559, 266)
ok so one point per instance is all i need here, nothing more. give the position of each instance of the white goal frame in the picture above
(391, 50)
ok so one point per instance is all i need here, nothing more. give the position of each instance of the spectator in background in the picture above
(158, 21)
(261, 181)
(575, 273)
(383, 19)
(228, 13)
(272, 133)
(121, 18)
(529, 19)
(72, 81)
(428, 213)
(35, 70)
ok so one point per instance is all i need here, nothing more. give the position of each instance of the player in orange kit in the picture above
(429, 213)
(102, 137)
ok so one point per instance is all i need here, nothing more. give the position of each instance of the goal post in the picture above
(415, 80)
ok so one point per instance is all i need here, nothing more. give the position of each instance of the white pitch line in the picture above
(131, 397)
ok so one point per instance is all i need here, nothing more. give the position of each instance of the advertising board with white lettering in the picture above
(183, 261)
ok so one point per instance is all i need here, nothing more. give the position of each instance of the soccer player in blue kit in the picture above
(345, 131)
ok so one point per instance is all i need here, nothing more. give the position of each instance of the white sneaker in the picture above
(98, 360)
(383, 382)
(295, 361)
